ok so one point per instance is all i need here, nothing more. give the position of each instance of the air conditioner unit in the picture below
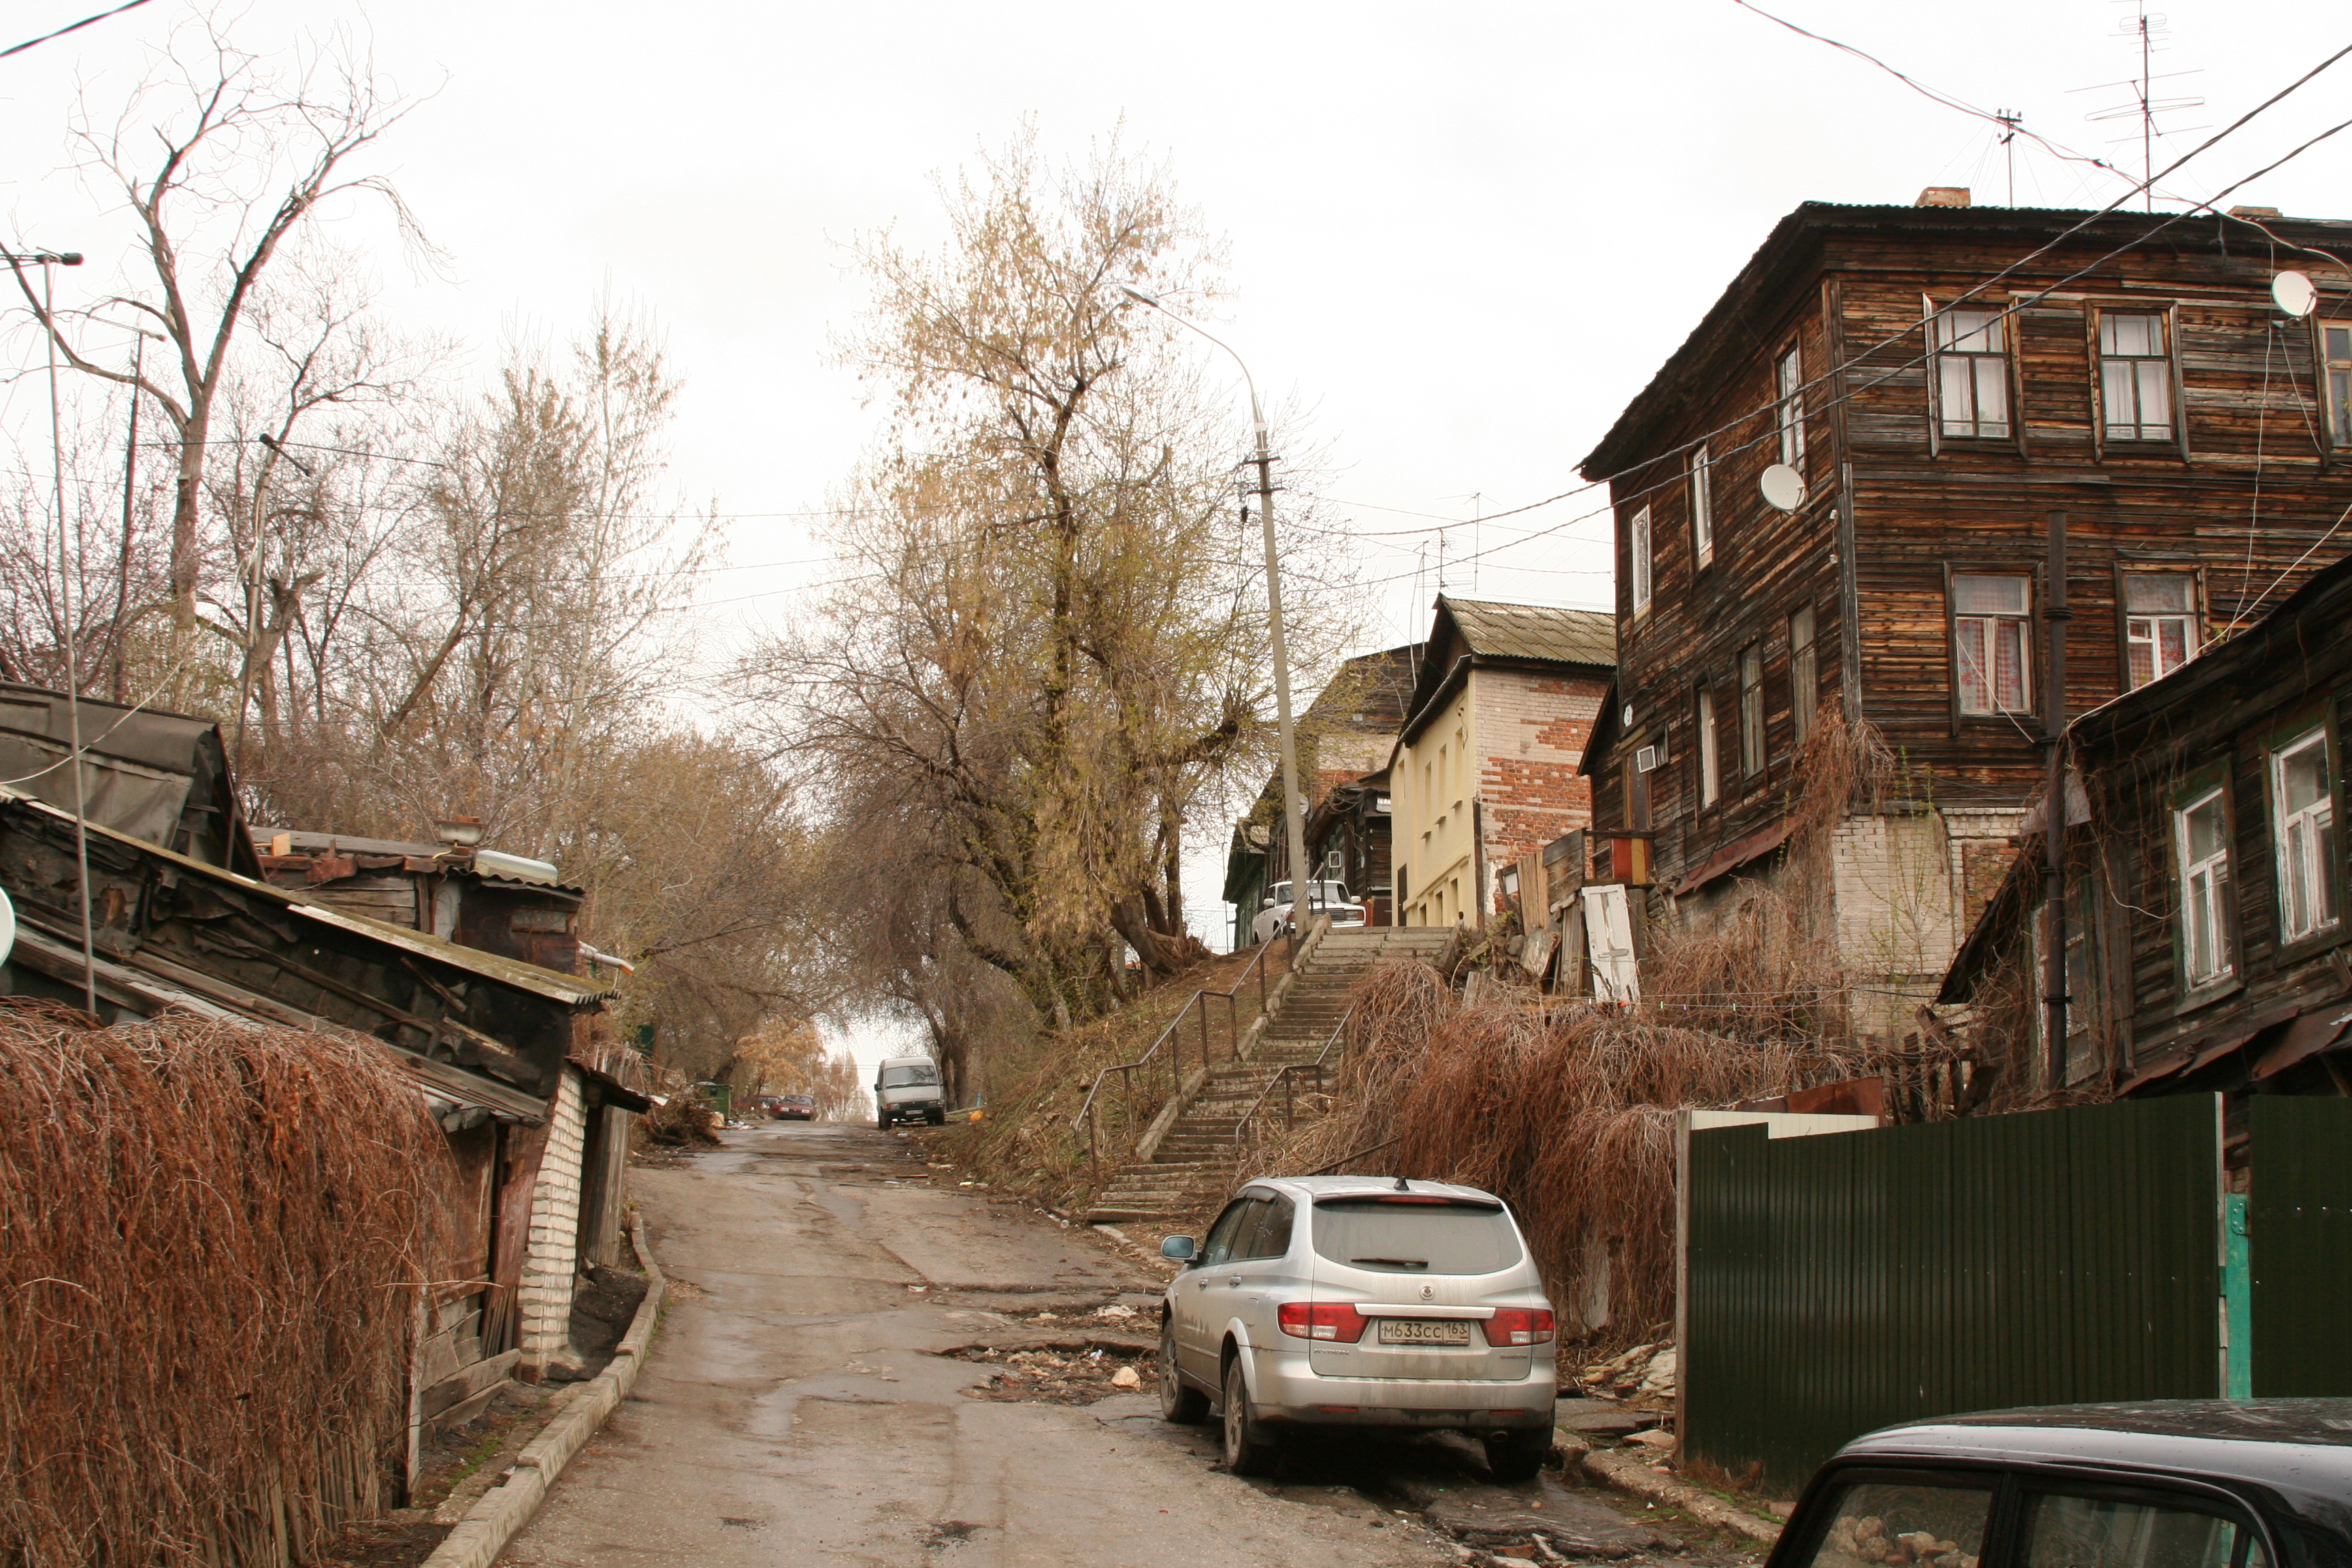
(1646, 759)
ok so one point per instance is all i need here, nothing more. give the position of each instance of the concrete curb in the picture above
(1623, 1472)
(506, 1508)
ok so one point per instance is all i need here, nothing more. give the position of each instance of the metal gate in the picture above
(1838, 1283)
(2299, 1244)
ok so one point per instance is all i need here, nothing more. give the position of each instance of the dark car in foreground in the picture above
(2167, 1484)
(794, 1108)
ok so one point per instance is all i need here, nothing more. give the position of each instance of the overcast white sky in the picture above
(1461, 236)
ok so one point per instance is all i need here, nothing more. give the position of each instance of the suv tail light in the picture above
(1319, 1321)
(1520, 1326)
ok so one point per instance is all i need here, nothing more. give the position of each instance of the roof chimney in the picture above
(1943, 197)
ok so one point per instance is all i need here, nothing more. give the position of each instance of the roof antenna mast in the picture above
(2148, 31)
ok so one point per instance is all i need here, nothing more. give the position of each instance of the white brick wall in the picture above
(550, 1262)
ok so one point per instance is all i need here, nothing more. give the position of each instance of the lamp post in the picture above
(1293, 813)
(49, 261)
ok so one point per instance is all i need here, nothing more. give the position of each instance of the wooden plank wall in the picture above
(1922, 505)
(1767, 562)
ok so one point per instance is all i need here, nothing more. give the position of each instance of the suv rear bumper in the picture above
(1290, 1392)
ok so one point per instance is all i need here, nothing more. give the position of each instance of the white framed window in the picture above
(2335, 383)
(1992, 643)
(2160, 631)
(1711, 757)
(1972, 373)
(1638, 550)
(1751, 709)
(2302, 803)
(1804, 674)
(2201, 833)
(2135, 375)
(1789, 376)
(1701, 506)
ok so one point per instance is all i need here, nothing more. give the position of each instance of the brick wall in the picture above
(1531, 730)
(552, 1259)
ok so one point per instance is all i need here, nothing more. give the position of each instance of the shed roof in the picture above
(571, 991)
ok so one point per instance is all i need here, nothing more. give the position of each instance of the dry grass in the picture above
(214, 1240)
(1568, 1112)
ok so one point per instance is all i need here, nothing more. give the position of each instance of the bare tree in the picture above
(222, 159)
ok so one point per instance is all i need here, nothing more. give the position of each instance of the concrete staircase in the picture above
(1194, 1160)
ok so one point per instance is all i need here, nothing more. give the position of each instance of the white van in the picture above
(907, 1089)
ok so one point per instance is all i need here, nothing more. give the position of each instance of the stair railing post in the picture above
(1202, 998)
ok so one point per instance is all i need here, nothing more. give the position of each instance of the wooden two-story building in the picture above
(1938, 379)
(2206, 880)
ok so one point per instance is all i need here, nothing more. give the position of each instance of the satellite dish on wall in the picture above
(2295, 293)
(8, 928)
(1783, 487)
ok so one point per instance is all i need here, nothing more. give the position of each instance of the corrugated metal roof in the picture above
(1499, 630)
(571, 990)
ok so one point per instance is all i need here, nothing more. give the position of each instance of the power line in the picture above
(76, 28)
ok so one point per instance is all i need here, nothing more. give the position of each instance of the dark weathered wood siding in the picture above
(1852, 285)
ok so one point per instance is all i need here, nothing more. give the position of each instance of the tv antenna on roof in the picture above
(2148, 32)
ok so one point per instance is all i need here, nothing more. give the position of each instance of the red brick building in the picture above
(1486, 767)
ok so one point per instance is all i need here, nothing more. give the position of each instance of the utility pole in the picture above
(2010, 119)
(2056, 615)
(1294, 805)
(129, 491)
(49, 261)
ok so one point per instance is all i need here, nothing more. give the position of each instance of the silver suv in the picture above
(1360, 1301)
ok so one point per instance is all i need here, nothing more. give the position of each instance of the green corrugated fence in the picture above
(1841, 1282)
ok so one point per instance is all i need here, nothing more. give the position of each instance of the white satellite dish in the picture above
(1783, 487)
(8, 928)
(2295, 294)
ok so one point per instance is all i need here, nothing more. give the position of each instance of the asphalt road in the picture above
(800, 1407)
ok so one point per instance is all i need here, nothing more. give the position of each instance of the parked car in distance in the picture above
(2260, 1483)
(1360, 1301)
(792, 1107)
(907, 1089)
(1322, 898)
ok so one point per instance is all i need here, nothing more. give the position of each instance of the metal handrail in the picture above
(1282, 1076)
(1199, 998)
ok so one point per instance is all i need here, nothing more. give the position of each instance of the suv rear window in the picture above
(1404, 1233)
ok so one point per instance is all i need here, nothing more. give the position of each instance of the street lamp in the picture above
(49, 261)
(1293, 813)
